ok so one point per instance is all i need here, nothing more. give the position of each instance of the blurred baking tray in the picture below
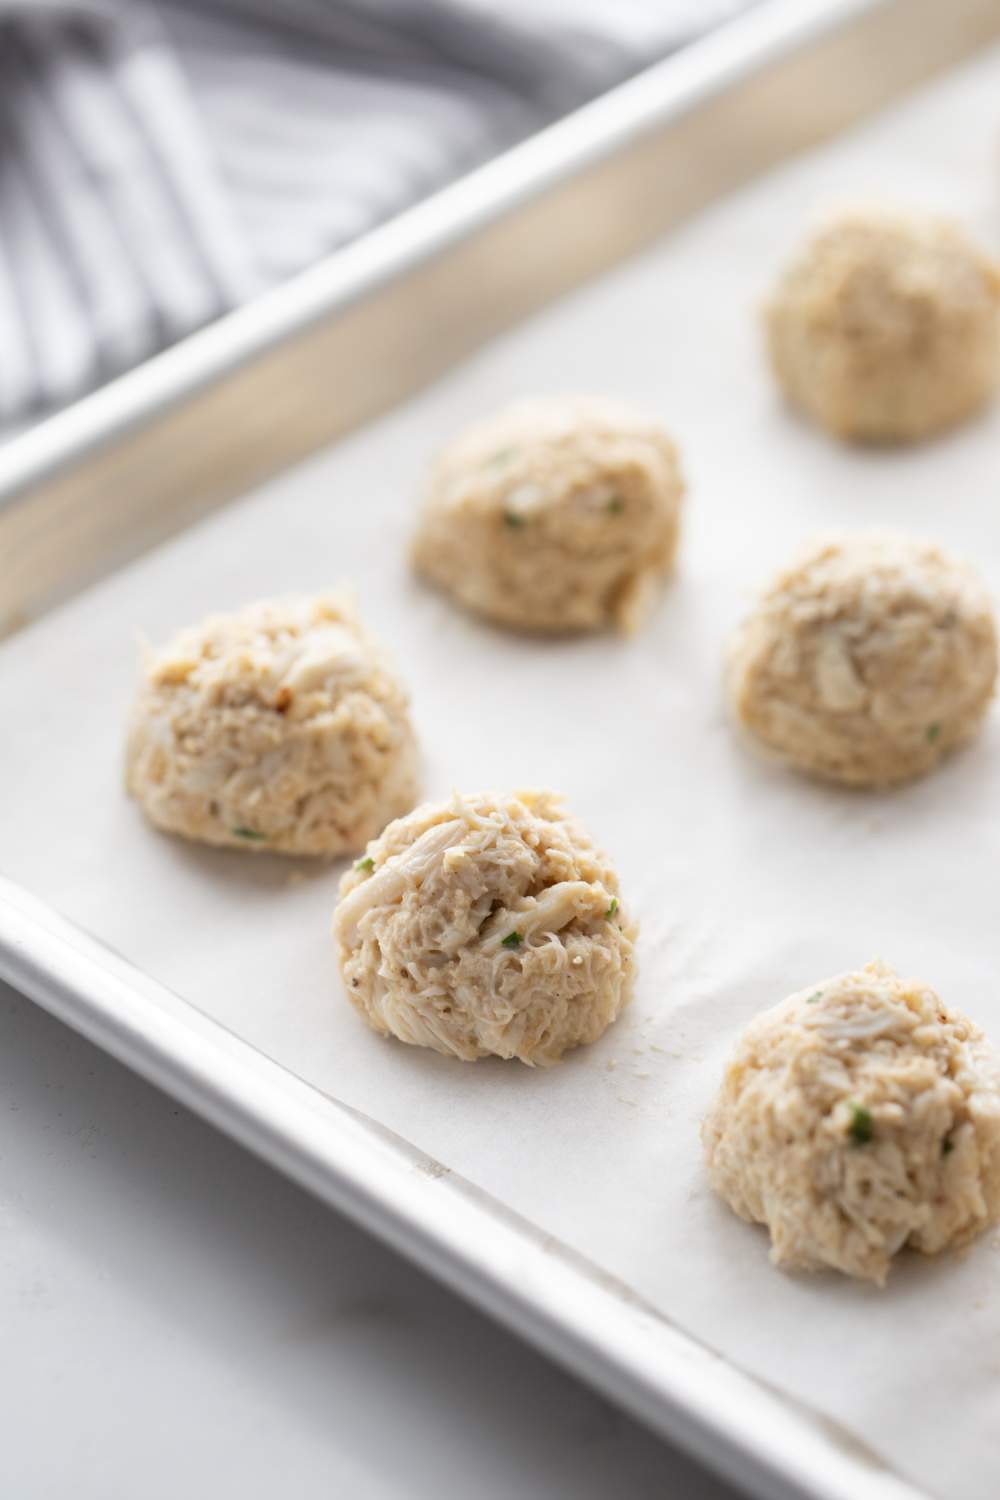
(196, 427)
(312, 360)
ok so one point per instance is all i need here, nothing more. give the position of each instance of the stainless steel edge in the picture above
(143, 457)
(568, 1308)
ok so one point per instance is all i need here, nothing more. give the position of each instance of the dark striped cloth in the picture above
(161, 163)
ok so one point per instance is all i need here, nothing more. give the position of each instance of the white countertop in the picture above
(176, 1319)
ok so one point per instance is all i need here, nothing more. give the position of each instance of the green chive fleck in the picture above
(933, 730)
(612, 908)
(512, 940)
(365, 864)
(947, 1146)
(615, 505)
(512, 519)
(862, 1127)
(247, 833)
(816, 995)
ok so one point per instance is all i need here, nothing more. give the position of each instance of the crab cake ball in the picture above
(486, 926)
(858, 1117)
(554, 515)
(867, 661)
(886, 328)
(277, 727)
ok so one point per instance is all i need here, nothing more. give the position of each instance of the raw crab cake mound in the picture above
(486, 926)
(277, 727)
(886, 327)
(867, 661)
(858, 1117)
(559, 514)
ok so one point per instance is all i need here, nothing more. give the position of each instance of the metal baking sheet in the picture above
(250, 951)
(149, 453)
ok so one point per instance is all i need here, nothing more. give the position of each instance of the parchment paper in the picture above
(748, 882)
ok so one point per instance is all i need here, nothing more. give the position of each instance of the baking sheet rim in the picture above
(659, 94)
(583, 1318)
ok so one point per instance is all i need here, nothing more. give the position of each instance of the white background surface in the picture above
(748, 882)
(177, 1320)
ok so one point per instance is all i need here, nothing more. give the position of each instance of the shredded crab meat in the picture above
(856, 1118)
(489, 925)
(867, 661)
(556, 514)
(886, 326)
(387, 885)
(276, 727)
(545, 915)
